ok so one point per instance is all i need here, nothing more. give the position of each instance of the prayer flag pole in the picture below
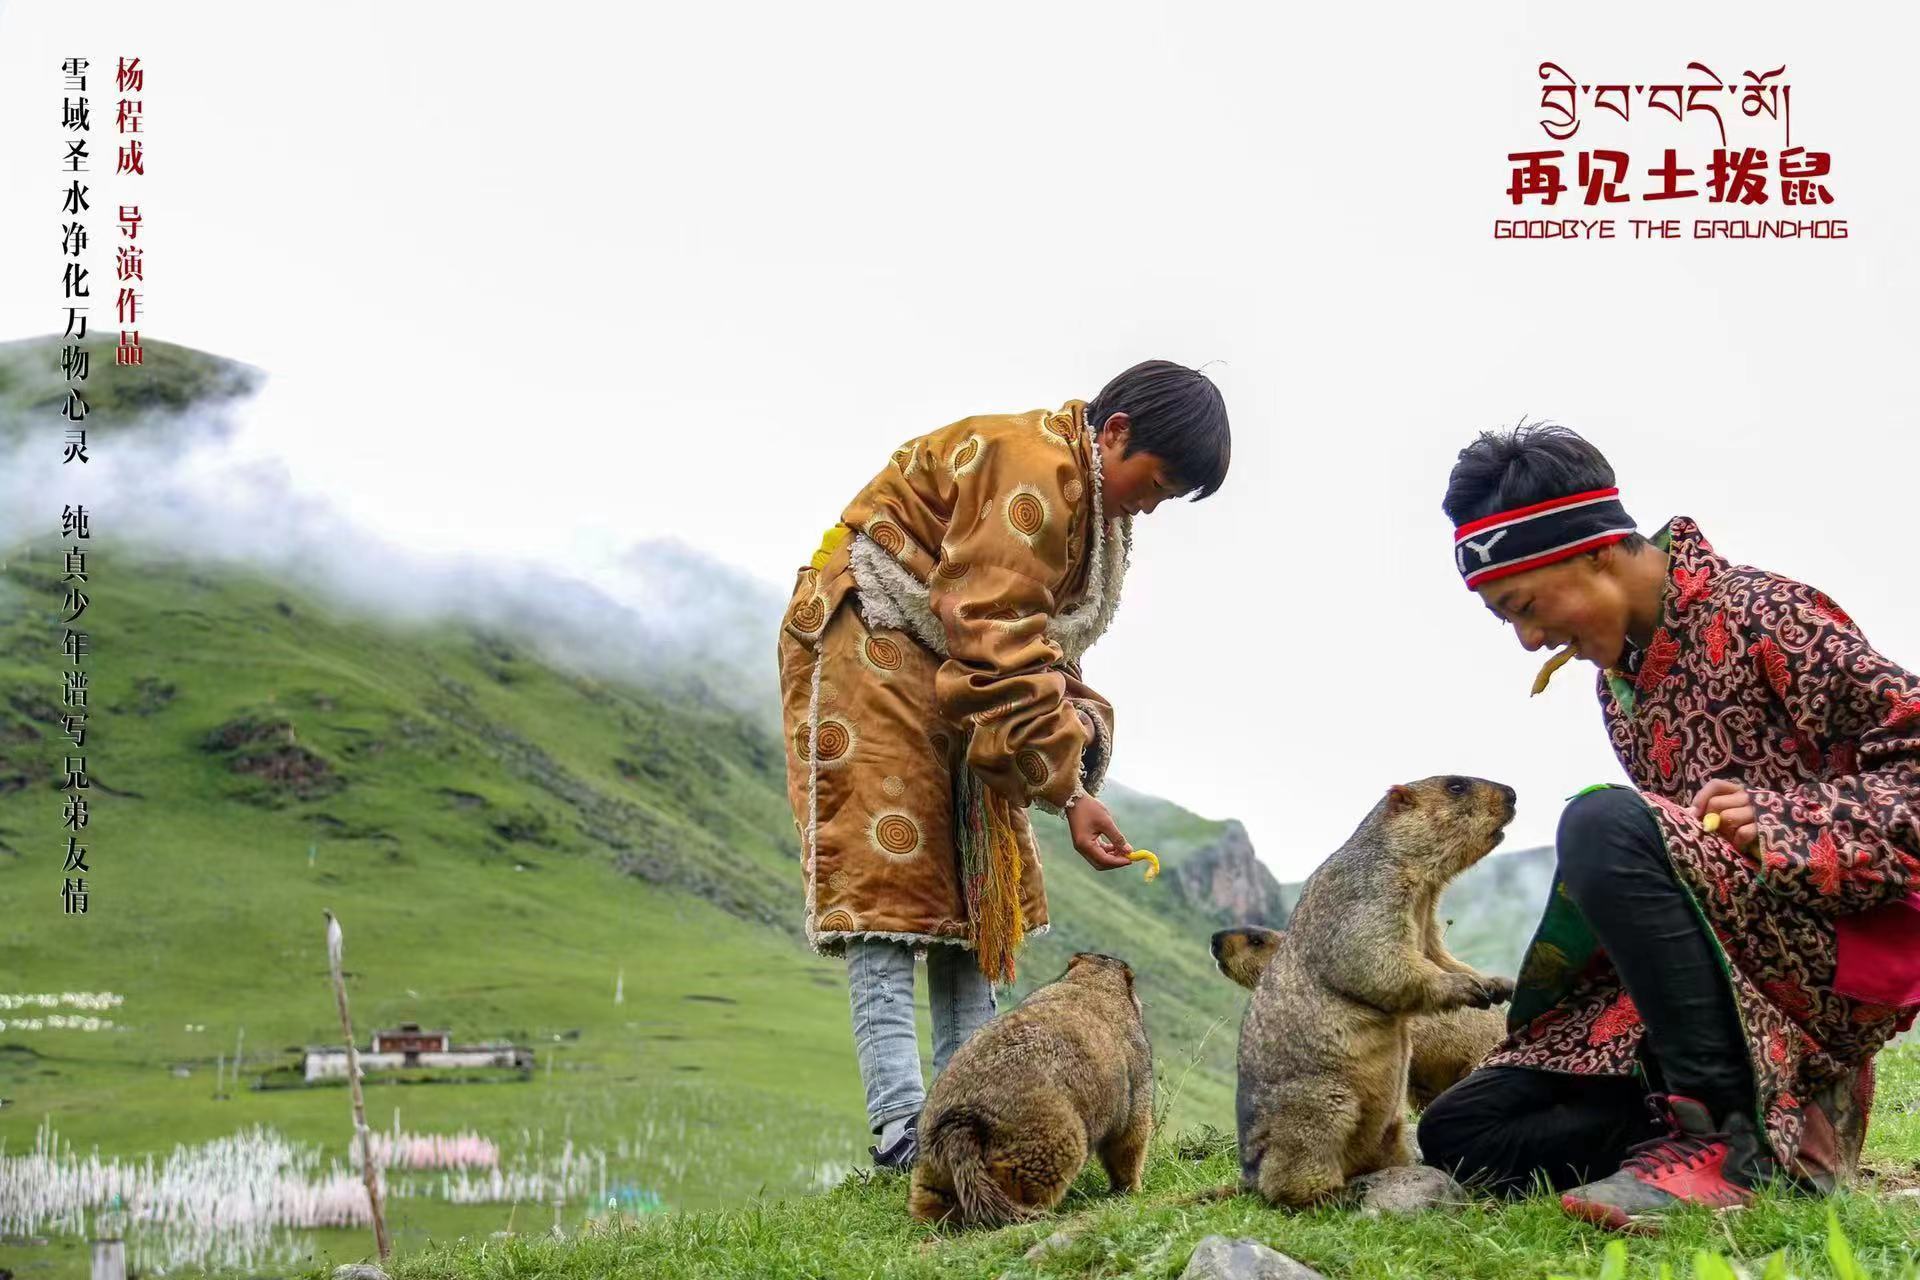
(334, 942)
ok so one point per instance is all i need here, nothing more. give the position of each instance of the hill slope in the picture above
(498, 836)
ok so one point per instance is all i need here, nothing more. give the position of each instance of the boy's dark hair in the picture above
(1177, 414)
(1533, 462)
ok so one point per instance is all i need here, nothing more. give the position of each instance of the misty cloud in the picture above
(206, 487)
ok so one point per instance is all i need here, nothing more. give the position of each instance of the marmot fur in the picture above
(1012, 1120)
(1326, 1043)
(1446, 1046)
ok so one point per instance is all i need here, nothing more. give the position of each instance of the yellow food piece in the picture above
(1712, 822)
(830, 543)
(1153, 863)
(1554, 663)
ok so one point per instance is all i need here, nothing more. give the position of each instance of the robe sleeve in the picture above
(1004, 557)
(1851, 840)
(1097, 718)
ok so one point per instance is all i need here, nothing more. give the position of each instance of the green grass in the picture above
(861, 1229)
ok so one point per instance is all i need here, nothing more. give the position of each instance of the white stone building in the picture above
(408, 1046)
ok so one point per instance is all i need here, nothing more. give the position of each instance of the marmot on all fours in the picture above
(1326, 1042)
(1445, 1046)
(1012, 1120)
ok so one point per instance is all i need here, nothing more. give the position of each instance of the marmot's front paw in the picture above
(1476, 990)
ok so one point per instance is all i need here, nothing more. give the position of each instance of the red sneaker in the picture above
(1696, 1163)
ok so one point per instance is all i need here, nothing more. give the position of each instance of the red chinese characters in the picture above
(1745, 173)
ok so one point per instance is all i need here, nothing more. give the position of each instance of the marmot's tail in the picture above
(958, 1141)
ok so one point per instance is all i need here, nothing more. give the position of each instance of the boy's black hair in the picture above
(1176, 414)
(1533, 462)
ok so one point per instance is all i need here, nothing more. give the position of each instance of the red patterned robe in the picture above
(1763, 681)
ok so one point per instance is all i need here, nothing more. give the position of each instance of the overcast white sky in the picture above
(544, 280)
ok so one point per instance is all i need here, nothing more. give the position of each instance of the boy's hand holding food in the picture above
(1088, 821)
(1726, 807)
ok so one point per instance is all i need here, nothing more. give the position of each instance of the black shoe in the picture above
(903, 1152)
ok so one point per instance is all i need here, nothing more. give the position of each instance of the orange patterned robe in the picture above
(943, 626)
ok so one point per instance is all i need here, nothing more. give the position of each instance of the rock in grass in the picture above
(359, 1271)
(1052, 1244)
(1218, 1258)
(1406, 1189)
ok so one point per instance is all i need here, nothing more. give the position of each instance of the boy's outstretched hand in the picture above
(1087, 821)
(1735, 807)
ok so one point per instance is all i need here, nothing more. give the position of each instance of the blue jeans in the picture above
(880, 987)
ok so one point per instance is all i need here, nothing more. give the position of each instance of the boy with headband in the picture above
(1729, 941)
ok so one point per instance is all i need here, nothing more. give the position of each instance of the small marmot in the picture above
(1325, 1044)
(1446, 1046)
(1012, 1120)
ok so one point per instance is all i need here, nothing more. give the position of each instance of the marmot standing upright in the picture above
(1325, 1044)
(1446, 1046)
(1012, 1120)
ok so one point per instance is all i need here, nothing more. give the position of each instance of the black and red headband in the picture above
(1510, 542)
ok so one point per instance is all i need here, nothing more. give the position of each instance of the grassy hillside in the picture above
(170, 379)
(502, 842)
